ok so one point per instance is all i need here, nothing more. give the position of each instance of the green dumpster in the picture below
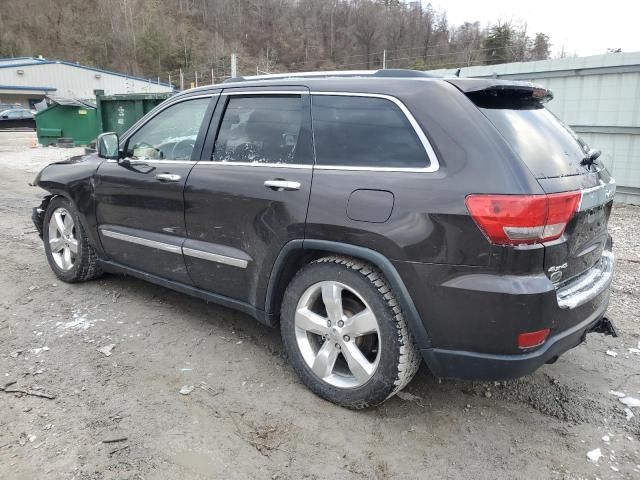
(83, 122)
(116, 113)
(68, 119)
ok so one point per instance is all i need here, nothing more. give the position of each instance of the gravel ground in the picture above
(121, 416)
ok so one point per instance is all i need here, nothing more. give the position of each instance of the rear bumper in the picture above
(473, 317)
(484, 366)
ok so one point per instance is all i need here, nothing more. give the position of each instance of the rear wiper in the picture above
(592, 156)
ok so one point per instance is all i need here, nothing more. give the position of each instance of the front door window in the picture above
(170, 135)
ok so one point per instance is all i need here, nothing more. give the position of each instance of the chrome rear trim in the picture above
(588, 285)
(596, 196)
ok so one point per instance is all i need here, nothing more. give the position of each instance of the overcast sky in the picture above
(586, 27)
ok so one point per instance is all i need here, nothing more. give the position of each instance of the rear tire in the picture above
(345, 334)
(69, 253)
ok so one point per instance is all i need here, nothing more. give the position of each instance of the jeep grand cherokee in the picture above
(376, 218)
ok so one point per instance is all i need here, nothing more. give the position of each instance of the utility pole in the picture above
(384, 59)
(170, 81)
(181, 80)
(234, 65)
(213, 80)
(196, 79)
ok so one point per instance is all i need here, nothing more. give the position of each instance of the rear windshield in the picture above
(548, 147)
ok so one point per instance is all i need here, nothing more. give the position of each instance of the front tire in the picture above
(69, 253)
(345, 334)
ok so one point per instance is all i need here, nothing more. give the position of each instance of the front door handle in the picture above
(282, 185)
(168, 177)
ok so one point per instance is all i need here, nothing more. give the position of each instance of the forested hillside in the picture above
(158, 38)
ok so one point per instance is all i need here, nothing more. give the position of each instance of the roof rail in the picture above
(388, 73)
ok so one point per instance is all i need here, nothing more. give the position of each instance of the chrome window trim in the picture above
(214, 257)
(434, 164)
(210, 163)
(142, 161)
(142, 241)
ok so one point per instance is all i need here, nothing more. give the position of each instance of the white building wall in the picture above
(74, 81)
(598, 96)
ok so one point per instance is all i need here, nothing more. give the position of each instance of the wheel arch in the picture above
(298, 253)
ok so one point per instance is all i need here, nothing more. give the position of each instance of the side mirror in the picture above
(108, 146)
(5, 116)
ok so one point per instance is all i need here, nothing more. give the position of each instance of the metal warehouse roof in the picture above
(15, 62)
(27, 88)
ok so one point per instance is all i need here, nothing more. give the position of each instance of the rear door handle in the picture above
(282, 185)
(168, 177)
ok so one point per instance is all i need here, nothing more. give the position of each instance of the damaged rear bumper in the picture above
(589, 285)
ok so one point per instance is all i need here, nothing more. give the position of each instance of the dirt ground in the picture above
(122, 416)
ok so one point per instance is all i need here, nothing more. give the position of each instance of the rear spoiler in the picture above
(481, 90)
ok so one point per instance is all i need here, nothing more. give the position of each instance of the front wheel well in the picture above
(38, 213)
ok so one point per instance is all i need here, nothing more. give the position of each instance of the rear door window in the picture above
(547, 146)
(262, 129)
(355, 131)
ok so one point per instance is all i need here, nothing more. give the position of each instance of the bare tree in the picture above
(160, 37)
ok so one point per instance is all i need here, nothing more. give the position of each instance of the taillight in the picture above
(533, 339)
(522, 219)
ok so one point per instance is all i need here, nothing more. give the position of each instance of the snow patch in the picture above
(79, 322)
(630, 401)
(594, 455)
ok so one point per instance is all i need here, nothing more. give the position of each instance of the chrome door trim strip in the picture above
(166, 247)
(434, 164)
(214, 257)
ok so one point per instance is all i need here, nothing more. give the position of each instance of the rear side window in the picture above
(364, 132)
(547, 146)
(262, 129)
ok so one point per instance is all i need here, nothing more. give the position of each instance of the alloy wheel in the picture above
(338, 335)
(62, 239)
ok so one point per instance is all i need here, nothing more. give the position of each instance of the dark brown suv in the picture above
(377, 218)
